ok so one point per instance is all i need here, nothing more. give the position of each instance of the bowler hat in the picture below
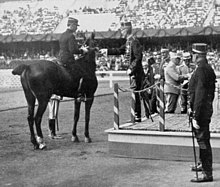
(72, 21)
(200, 48)
(186, 56)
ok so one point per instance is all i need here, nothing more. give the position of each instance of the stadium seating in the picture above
(45, 16)
(50, 16)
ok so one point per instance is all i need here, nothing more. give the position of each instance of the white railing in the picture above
(112, 76)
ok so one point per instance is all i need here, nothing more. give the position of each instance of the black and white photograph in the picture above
(109, 93)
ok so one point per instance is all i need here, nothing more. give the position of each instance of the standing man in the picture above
(133, 56)
(173, 79)
(202, 92)
(185, 69)
(148, 81)
(164, 62)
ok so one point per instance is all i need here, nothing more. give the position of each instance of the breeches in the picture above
(203, 138)
(171, 102)
(183, 102)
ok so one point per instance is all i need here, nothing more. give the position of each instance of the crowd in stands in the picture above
(40, 17)
(104, 63)
(43, 16)
(28, 18)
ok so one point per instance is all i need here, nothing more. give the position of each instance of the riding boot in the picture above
(52, 128)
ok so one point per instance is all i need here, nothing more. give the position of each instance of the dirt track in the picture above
(66, 164)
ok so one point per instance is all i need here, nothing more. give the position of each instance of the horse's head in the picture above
(88, 59)
(89, 40)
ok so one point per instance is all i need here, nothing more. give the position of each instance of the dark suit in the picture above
(148, 100)
(133, 55)
(201, 92)
(68, 47)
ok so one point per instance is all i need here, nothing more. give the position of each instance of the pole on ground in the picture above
(158, 97)
(116, 107)
(162, 104)
(194, 148)
(218, 90)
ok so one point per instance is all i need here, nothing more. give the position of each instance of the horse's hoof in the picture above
(87, 140)
(42, 146)
(75, 139)
(41, 143)
(36, 147)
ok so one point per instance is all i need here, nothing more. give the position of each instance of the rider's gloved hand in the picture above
(84, 49)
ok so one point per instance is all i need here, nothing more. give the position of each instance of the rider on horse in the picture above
(68, 47)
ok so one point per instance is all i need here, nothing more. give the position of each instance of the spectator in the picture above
(172, 83)
(185, 69)
(164, 61)
(148, 82)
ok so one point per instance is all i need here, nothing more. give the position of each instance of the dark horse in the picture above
(42, 79)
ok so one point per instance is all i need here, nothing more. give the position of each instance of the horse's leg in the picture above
(42, 105)
(30, 98)
(88, 105)
(31, 104)
(76, 119)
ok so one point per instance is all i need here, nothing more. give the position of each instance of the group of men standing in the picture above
(197, 85)
(180, 79)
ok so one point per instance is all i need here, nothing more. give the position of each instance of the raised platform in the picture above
(144, 140)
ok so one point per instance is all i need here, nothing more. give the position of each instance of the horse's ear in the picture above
(90, 36)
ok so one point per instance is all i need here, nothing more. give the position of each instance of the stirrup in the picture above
(81, 98)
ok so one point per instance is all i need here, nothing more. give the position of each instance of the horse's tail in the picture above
(19, 69)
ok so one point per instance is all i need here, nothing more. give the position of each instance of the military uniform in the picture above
(133, 55)
(201, 92)
(68, 47)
